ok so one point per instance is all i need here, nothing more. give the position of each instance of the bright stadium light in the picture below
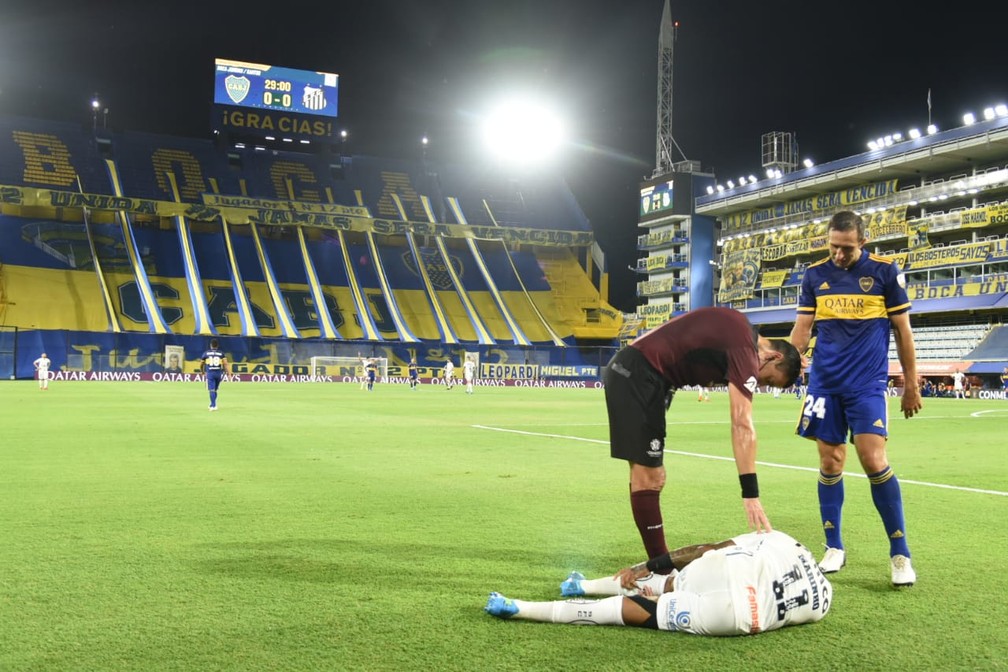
(710, 189)
(720, 188)
(752, 179)
(770, 173)
(872, 145)
(932, 129)
(1001, 110)
(988, 113)
(808, 163)
(523, 131)
(914, 133)
(969, 119)
(731, 185)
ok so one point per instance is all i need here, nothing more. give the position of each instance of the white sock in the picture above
(609, 585)
(579, 612)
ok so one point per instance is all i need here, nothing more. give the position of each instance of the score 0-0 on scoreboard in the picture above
(269, 87)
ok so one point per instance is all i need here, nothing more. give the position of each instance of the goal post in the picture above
(337, 367)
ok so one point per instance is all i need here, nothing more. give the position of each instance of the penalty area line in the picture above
(942, 486)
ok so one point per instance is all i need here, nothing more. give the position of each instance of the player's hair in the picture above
(791, 362)
(847, 220)
(214, 344)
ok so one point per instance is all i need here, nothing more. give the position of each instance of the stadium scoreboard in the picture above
(268, 87)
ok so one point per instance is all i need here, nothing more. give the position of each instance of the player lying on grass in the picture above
(748, 584)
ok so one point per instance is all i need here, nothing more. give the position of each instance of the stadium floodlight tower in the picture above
(663, 135)
(780, 152)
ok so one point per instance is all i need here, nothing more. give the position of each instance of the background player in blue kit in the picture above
(414, 378)
(854, 298)
(214, 365)
(372, 373)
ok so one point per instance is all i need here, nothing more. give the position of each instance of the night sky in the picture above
(836, 74)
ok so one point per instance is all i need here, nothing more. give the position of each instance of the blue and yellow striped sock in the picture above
(885, 492)
(831, 496)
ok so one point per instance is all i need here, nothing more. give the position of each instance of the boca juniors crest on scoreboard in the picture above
(267, 100)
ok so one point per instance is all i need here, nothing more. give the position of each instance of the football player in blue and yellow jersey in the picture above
(854, 298)
(214, 365)
(372, 373)
(414, 375)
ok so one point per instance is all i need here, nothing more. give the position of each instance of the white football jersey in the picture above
(764, 582)
(449, 369)
(42, 364)
(468, 368)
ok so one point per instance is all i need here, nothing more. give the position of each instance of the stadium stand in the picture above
(263, 246)
(947, 229)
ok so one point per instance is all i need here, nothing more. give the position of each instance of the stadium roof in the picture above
(958, 149)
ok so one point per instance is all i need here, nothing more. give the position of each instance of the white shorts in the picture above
(43, 374)
(701, 603)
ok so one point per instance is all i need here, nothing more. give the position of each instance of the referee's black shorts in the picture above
(635, 399)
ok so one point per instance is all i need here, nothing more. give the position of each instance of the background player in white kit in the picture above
(745, 585)
(449, 374)
(42, 365)
(468, 373)
(958, 384)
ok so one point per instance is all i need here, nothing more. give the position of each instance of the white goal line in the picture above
(942, 486)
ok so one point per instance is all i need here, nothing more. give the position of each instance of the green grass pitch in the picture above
(307, 527)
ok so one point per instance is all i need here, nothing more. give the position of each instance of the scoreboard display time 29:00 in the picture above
(270, 87)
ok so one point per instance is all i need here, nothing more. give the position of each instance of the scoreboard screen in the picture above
(656, 199)
(268, 87)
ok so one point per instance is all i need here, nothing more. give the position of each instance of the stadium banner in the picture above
(886, 223)
(970, 253)
(174, 356)
(773, 278)
(998, 250)
(738, 277)
(847, 197)
(993, 286)
(774, 252)
(917, 236)
(82, 355)
(295, 213)
(988, 215)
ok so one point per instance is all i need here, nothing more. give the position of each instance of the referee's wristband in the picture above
(750, 486)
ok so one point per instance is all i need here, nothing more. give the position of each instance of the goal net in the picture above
(338, 367)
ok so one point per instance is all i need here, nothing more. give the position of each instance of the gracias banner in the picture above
(241, 210)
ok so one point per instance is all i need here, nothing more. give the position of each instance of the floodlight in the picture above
(752, 179)
(720, 188)
(523, 131)
(710, 189)
(770, 173)
(731, 185)
(872, 145)
(914, 133)
(932, 129)
(1001, 110)
(95, 104)
(988, 113)
(969, 119)
(808, 163)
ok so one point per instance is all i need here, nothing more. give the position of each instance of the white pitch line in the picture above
(942, 486)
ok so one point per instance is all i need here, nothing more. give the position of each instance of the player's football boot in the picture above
(903, 573)
(500, 606)
(571, 587)
(833, 560)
